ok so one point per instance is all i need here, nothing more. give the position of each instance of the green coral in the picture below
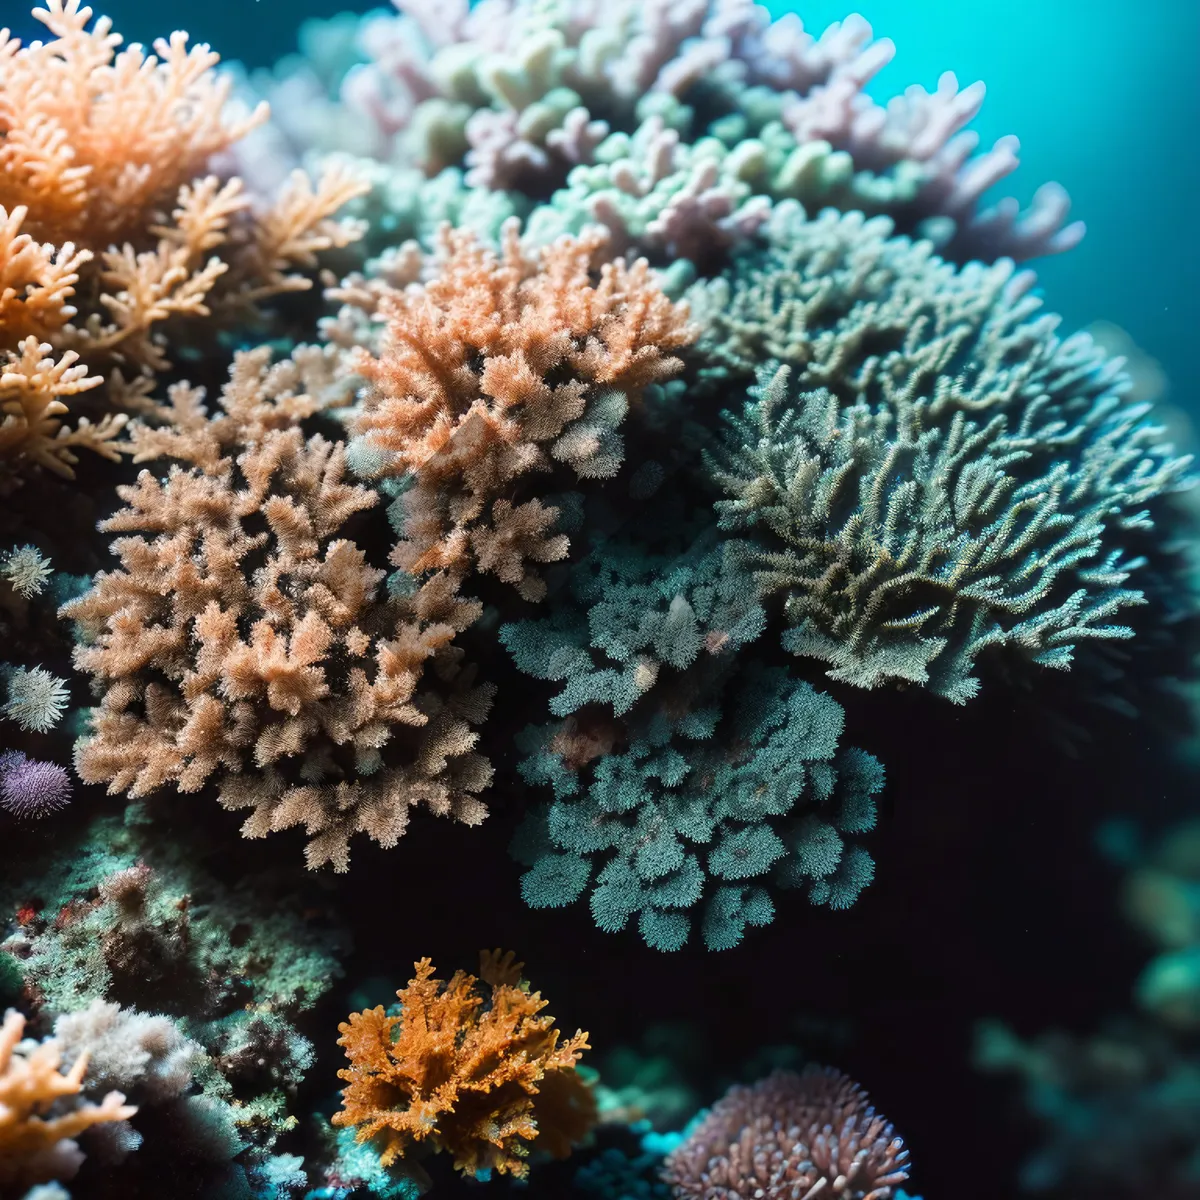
(931, 473)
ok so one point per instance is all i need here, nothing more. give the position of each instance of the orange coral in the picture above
(94, 140)
(35, 1148)
(459, 1071)
(96, 144)
(243, 639)
(502, 365)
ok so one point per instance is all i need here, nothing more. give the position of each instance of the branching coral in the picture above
(95, 140)
(480, 1076)
(789, 1135)
(35, 1148)
(242, 641)
(941, 475)
(503, 365)
(675, 124)
(95, 146)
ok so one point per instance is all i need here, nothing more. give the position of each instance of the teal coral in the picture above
(704, 806)
(931, 472)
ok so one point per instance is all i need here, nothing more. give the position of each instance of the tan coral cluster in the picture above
(35, 1148)
(476, 1075)
(244, 641)
(111, 224)
(503, 365)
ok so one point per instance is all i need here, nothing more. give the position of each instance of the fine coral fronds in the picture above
(32, 384)
(242, 639)
(93, 139)
(35, 1148)
(499, 366)
(478, 1076)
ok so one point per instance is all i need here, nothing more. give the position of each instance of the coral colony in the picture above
(595, 401)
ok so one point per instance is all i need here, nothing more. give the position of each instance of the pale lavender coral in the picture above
(30, 787)
(927, 129)
(790, 1136)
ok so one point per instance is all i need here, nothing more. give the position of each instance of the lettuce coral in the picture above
(930, 474)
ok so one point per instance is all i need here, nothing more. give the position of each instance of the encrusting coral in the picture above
(481, 1076)
(34, 1147)
(242, 640)
(789, 1135)
(927, 471)
(500, 366)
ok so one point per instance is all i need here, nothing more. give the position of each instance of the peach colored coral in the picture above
(96, 146)
(479, 1075)
(244, 640)
(503, 365)
(35, 1148)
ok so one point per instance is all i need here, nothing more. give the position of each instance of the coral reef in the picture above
(789, 1135)
(481, 1077)
(676, 126)
(671, 420)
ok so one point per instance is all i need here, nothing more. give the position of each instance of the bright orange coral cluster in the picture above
(502, 365)
(477, 1076)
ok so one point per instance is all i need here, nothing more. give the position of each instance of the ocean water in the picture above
(786, 647)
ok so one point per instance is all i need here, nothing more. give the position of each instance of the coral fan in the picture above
(36, 1148)
(789, 1135)
(941, 475)
(500, 366)
(480, 1077)
(263, 658)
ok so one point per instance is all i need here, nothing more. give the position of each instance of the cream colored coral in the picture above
(35, 1148)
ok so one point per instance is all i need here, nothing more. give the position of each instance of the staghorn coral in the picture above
(941, 475)
(96, 139)
(789, 1135)
(499, 366)
(262, 657)
(35, 1148)
(478, 1076)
